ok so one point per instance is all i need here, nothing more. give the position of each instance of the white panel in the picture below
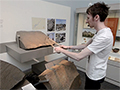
(118, 15)
(113, 73)
(85, 25)
(111, 15)
(80, 28)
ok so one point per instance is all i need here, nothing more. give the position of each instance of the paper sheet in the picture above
(28, 87)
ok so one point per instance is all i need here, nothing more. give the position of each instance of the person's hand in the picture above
(58, 49)
(64, 47)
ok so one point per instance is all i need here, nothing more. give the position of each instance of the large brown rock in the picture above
(9, 75)
(63, 76)
(32, 39)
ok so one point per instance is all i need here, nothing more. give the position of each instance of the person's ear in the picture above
(96, 17)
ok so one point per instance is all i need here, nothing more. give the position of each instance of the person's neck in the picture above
(99, 26)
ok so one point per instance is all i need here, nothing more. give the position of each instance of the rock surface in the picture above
(32, 39)
(63, 76)
(9, 75)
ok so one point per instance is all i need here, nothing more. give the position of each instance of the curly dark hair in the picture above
(99, 8)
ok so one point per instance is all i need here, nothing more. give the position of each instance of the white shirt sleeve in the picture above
(99, 43)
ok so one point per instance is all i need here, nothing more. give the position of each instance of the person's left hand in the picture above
(58, 49)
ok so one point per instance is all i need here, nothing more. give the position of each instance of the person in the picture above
(97, 49)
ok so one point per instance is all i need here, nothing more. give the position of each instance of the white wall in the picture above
(77, 4)
(17, 15)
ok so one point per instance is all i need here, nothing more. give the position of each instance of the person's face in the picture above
(90, 21)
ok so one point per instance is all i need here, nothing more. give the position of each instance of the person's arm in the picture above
(81, 46)
(77, 56)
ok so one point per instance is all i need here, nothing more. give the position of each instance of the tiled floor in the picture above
(105, 85)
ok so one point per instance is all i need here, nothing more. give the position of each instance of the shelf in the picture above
(114, 56)
(27, 55)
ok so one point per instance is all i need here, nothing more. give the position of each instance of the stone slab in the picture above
(63, 76)
(32, 39)
(27, 55)
(9, 75)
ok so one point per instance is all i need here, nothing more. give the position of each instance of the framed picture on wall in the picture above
(60, 37)
(60, 24)
(38, 23)
(51, 24)
(51, 35)
(88, 33)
